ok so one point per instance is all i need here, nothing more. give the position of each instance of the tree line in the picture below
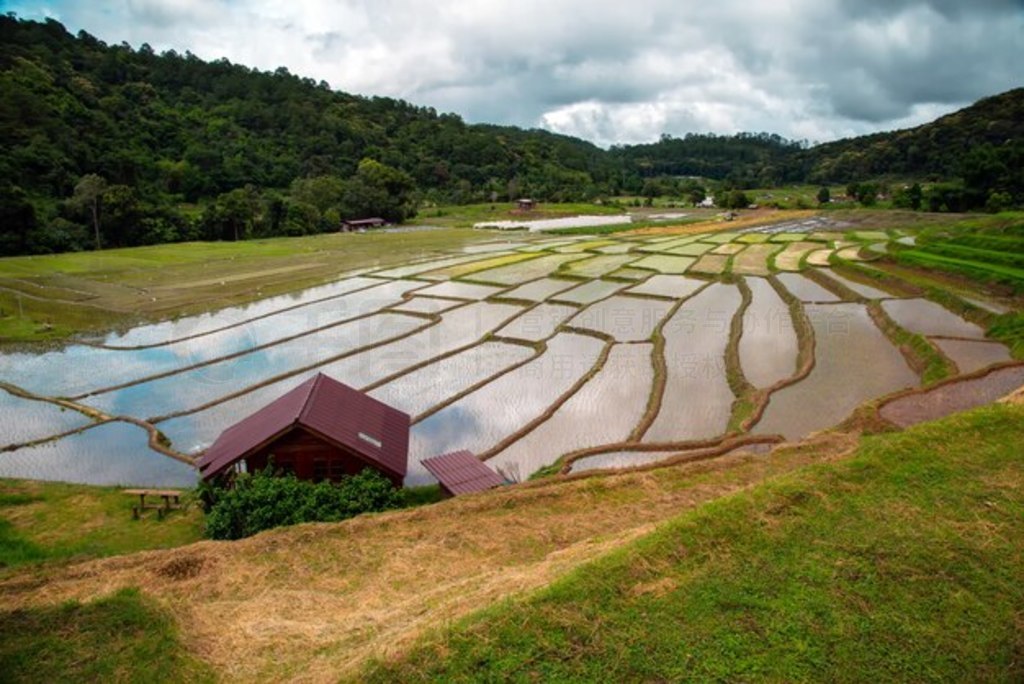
(109, 145)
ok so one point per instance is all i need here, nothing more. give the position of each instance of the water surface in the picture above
(697, 401)
(854, 362)
(108, 454)
(603, 411)
(480, 420)
(768, 346)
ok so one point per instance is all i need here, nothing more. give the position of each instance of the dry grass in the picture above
(313, 602)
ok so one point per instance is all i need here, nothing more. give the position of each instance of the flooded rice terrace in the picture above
(522, 352)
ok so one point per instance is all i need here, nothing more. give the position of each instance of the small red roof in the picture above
(328, 408)
(460, 472)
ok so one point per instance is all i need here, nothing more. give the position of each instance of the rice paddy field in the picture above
(537, 353)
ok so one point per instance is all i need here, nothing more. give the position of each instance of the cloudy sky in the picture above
(611, 72)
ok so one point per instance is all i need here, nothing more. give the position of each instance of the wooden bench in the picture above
(171, 500)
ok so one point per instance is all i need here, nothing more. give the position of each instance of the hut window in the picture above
(372, 440)
(319, 468)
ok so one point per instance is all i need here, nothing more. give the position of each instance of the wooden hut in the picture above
(321, 430)
(461, 472)
(525, 204)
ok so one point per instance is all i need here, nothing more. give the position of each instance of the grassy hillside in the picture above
(902, 564)
(54, 522)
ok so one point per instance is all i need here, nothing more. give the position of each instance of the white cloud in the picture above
(610, 72)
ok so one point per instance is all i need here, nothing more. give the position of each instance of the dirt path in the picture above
(312, 603)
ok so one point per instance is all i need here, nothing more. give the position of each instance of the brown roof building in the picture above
(320, 430)
(460, 472)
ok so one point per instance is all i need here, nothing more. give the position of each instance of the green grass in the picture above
(465, 215)
(50, 521)
(53, 296)
(983, 271)
(122, 638)
(902, 563)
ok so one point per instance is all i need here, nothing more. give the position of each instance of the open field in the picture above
(136, 405)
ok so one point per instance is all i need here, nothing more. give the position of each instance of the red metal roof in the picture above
(334, 411)
(460, 472)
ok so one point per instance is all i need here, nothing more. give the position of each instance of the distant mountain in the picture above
(933, 151)
(110, 145)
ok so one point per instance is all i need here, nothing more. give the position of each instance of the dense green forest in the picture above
(109, 145)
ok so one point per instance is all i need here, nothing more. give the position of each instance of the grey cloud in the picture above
(612, 72)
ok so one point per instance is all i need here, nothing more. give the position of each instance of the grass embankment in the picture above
(51, 521)
(124, 637)
(902, 563)
(54, 296)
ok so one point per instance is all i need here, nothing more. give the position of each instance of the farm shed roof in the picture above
(460, 472)
(333, 411)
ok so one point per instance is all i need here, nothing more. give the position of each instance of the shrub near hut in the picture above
(264, 500)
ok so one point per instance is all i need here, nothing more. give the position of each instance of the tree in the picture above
(824, 195)
(89, 195)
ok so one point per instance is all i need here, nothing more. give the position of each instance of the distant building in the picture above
(707, 203)
(525, 204)
(321, 430)
(349, 225)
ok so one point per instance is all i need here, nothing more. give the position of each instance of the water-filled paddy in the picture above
(928, 318)
(866, 291)
(854, 362)
(949, 398)
(167, 331)
(597, 266)
(625, 319)
(458, 290)
(421, 364)
(768, 345)
(603, 411)
(201, 385)
(971, 356)
(422, 389)
(84, 369)
(539, 290)
(108, 454)
(479, 421)
(538, 323)
(25, 420)
(805, 289)
(675, 287)
(697, 399)
(587, 293)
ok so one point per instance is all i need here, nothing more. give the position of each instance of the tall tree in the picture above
(89, 195)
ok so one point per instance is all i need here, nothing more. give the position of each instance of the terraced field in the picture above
(535, 354)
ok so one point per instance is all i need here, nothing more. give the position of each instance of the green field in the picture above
(901, 564)
(47, 522)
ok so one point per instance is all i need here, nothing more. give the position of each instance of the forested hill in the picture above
(114, 145)
(949, 147)
(165, 130)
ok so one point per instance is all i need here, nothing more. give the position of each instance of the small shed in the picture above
(321, 430)
(362, 224)
(461, 472)
(525, 204)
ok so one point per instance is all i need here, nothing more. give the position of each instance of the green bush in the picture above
(261, 501)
